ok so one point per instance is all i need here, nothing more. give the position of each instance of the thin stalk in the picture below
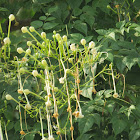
(9, 28)
(41, 123)
(113, 79)
(20, 119)
(6, 133)
(69, 104)
(1, 134)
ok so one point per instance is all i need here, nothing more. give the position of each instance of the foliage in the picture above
(109, 84)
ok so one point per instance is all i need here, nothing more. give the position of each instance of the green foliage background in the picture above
(114, 30)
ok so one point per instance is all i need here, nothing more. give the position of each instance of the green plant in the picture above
(109, 97)
(46, 96)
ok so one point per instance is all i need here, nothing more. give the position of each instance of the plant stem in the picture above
(1, 134)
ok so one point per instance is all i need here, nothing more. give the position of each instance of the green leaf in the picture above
(89, 19)
(87, 1)
(83, 137)
(110, 106)
(80, 26)
(87, 91)
(134, 134)
(77, 11)
(97, 118)
(100, 93)
(49, 25)
(102, 32)
(10, 125)
(85, 124)
(111, 35)
(120, 24)
(50, 18)
(42, 18)
(129, 62)
(37, 24)
(118, 125)
(137, 4)
(53, 9)
(110, 57)
(101, 4)
(3, 9)
(137, 29)
(88, 38)
(30, 136)
(108, 94)
(76, 37)
(74, 3)
(120, 65)
(88, 10)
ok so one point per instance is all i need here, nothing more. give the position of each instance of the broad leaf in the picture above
(85, 124)
(49, 25)
(87, 90)
(80, 26)
(118, 125)
(37, 23)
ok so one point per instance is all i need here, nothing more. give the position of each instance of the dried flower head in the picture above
(28, 106)
(115, 95)
(20, 91)
(22, 132)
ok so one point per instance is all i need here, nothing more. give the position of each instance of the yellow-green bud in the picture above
(24, 29)
(70, 60)
(26, 91)
(20, 50)
(64, 38)
(22, 70)
(11, 17)
(32, 29)
(91, 44)
(7, 40)
(28, 51)
(43, 34)
(83, 42)
(8, 97)
(56, 89)
(35, 73)
(44, 63)
(29, 43)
